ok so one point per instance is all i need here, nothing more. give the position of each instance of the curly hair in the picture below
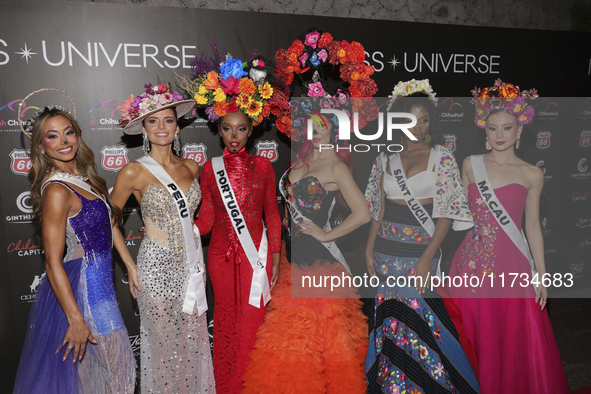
(42, 165)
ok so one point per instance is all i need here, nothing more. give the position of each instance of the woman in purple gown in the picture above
(506, 322)
(76, 303)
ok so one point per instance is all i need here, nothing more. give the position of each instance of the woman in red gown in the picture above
(253, 182)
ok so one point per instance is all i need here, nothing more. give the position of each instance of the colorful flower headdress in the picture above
(312, 51)
(156, 98)
(28, 130)
(224, 84)
(503, 96)
(403, 89)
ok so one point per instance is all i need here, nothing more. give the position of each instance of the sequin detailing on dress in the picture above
(107, 367)
(175, 350)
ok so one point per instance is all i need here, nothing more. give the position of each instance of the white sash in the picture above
(496, 208)
(297, 217)
(257, 259)
(417, 209)
(196, 288)
(82, 185)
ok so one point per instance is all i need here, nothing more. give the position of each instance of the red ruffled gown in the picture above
(313, 345)
(236, 321)
(512, 338)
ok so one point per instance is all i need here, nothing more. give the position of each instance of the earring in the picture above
(177, 145)
(146, 146)
(42, 152)
(517, 144)
(488, 147)
(428, 138)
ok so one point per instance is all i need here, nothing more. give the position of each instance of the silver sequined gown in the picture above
(175, 351)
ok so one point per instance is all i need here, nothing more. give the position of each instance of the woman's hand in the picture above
(422, 270)
(275, 274)
(542, 296)
(309, 228)
(370, 268)
(142, 231)
(134, 283)
(77, 335)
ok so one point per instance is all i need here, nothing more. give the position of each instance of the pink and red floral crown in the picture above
(313, 50)
(224, 84)
(506, 97)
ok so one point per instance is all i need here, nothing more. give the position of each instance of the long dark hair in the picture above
(404, 104)
(41, 166)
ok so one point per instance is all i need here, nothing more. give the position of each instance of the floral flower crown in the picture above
(225, 84)
(403, 89)
(313, 50)
(155, 98)
(28, 130)
(506, 97)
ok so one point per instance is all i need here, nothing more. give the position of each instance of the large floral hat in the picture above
(156, 98)
(406, 88)
(506, 97)
(223, 84)
(316, 52)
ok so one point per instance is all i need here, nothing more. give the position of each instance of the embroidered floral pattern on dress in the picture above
(449, 200)
(390, 377)
(401, 266)
(480, 241)
(409, 234)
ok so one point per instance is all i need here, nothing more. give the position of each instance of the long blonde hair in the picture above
(42, 165)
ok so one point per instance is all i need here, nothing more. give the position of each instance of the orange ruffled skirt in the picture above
(309, 345)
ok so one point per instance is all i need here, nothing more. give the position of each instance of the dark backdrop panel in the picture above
(100, 53)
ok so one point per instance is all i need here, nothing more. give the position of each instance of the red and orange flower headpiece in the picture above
(311, 52)
(224, 84)
(506, 97)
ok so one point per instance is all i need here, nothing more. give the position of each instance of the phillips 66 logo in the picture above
(114, 157)
(585, 140)
(543, 140)
(268, 149)
(196, 152)
(450, 142)
(20, 161)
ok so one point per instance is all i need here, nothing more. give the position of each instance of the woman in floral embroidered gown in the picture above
(414, 345)
(508, 326)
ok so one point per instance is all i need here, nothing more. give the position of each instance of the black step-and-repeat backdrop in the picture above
(100, 53)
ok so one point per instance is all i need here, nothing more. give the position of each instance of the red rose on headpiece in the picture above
(324, 40)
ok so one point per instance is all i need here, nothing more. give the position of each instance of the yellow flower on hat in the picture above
(266, 90)
(243, 101)
(219, 95)
(202, 90)
(254, 109)
(200, 99)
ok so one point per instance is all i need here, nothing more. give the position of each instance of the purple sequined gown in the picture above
(109, 366)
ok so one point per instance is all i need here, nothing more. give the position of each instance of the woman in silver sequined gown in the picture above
(175, 350)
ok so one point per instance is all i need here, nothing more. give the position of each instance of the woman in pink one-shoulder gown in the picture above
(507, 323)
